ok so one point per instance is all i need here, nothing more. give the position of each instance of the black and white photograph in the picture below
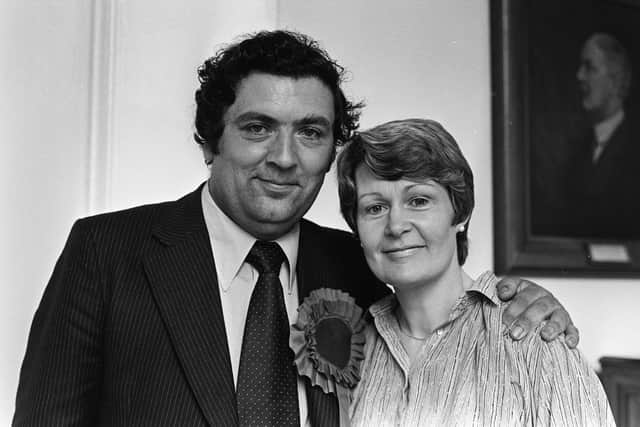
(319, 213)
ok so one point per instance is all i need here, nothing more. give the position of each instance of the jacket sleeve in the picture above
(61, 375)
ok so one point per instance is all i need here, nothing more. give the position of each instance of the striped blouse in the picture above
(470, 373)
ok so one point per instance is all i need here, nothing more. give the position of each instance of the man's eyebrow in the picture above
(252, 115)
(314, 119)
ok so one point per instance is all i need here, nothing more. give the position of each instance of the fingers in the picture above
(508, 287)
(528, 293)
(572, 336)
(530, 316)
(561, 322)
(558, 322)
(529, 306)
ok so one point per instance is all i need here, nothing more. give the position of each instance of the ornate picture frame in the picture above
(539, 102)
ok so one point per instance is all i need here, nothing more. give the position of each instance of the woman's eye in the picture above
(419, 202)
(374, 209)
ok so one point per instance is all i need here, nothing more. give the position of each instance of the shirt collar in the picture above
(605, 128)
(233, 243)
(483, 286)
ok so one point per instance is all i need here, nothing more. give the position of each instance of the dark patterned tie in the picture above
(267, 385)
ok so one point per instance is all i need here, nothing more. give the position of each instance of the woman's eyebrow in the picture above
(369, 194)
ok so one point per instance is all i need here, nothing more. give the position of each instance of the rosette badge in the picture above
(328, 343)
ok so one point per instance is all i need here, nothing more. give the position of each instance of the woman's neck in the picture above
(424, 308)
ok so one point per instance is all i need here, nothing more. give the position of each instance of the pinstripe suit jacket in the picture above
(130, 328)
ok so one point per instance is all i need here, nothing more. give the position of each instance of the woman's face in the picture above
(405, 228)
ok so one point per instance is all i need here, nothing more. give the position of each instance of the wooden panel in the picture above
(621, 380)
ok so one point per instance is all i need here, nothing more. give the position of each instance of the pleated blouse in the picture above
(471, 373)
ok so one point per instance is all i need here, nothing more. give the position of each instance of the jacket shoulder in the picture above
(133, 221)
(132, 228)
(340, 240)
(339, 252)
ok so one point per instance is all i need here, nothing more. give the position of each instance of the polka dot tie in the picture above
(267, 385)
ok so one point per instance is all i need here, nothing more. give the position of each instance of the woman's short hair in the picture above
(413, 149)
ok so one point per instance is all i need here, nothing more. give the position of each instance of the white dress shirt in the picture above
(603, 132)
(236, 280)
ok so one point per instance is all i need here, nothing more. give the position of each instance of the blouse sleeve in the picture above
(565, 390)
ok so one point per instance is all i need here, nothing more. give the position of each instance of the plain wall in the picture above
(44, 105)
(406, 58)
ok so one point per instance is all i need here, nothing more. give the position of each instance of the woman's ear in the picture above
(462, 225)
(207, 154)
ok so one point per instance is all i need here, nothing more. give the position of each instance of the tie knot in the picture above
(266, 257)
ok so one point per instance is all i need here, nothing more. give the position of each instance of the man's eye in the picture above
(256, 129)
(419, 202)
(310, 133)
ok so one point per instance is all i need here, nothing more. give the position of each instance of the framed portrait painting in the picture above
(566, 136)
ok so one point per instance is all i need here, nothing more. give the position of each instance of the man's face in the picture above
(275, 149)
(598, 86)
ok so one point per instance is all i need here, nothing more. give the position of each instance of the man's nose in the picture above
(397, 223)
(580, 73)
(282, 151)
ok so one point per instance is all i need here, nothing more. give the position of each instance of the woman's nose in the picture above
(397, 223)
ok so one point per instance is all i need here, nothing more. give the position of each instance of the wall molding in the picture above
(101, 105)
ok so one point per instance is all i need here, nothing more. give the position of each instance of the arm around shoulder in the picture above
(61, 374)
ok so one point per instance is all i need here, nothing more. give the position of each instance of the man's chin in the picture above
(272, 225)
(272, 212)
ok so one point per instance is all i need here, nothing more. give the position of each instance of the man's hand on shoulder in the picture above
(531, 304)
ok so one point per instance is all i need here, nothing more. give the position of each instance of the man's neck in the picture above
(605, 111)
(605, 128)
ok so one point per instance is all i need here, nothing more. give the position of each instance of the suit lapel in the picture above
(312, 270)
(616, 147)
(183, 281)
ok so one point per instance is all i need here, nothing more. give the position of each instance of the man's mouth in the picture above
(278, 185)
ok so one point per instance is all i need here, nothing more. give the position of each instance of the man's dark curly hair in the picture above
(280, 53)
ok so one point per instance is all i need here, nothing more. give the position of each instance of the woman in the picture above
(437, 352)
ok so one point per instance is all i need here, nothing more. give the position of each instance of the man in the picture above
(178, 313)
(603, 171)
